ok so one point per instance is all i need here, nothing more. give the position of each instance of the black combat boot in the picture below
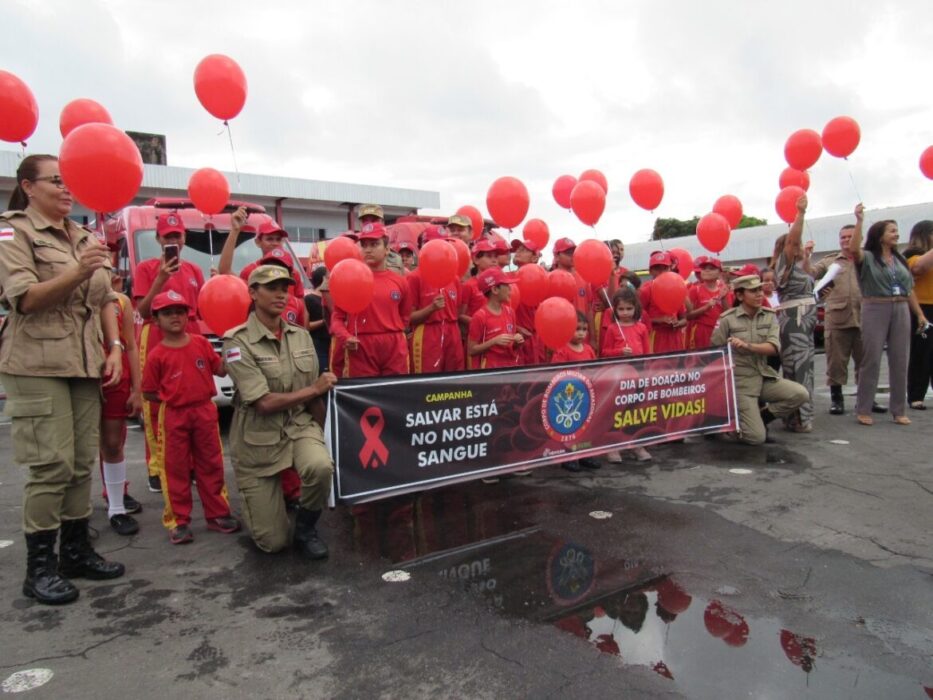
(837, 408)
(43, 582)
(307, 541)
(78, 558)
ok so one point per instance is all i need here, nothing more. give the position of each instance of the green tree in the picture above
(749, 221)
(677, 228)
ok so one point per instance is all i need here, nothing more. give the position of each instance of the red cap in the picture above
(278, 256)
(660, 257)
(483, 245)
(747, 269)
(270, 227)
(492, 277)
(170, 222)
(404, 245)
(351, 234)
(562, 245)
(701, 260)
(372, 232)
(166, 299)
(434, 233)
(499, 244)
(248, 228)
(530, 245)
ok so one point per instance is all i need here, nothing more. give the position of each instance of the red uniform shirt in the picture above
(182, 376)
(388, 312)
(615, 340)
(485, 325)
(698, 295)
(568, 354)
(187, 281)
(472, 297)
(584, 297)
(298, 289)
(423, 294)
(295, 312)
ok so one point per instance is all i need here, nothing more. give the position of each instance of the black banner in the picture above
(395, 435)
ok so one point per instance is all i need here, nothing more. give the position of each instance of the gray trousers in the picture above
(884, 322)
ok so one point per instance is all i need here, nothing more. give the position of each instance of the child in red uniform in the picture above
(577, 350)
(564, 248)
(626, 337)
(179, 376)
(533, 351)
(294, 312)
(493, 340)
(269, 237)
(374, 339)
(706, 300)
(436, 344)
(163, 274)
(666, 332)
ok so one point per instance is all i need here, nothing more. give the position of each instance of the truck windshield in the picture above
(203, 250)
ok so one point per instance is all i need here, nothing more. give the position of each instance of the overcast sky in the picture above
(448, 96)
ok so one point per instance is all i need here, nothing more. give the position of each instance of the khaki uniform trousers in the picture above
(842, 344)
(56, 435)
(264, 504)
(783, 397)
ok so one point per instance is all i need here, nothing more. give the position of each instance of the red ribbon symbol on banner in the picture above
(374, 452)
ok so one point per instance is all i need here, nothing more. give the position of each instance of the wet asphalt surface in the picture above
(801, 569)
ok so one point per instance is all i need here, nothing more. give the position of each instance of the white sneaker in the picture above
(641, 454)
(614, 457)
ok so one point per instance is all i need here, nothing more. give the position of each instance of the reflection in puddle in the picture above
(494, 543)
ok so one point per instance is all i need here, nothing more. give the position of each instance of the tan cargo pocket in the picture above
(32, 433)
(262, 438)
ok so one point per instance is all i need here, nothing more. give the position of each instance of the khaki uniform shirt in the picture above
(64, 340)
(843, 304)
(260, 364)
(750, 367)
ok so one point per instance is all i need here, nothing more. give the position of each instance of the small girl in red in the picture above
(493, 338)
(577, 350)
(706, 300)
(179, 376)
(626, 337)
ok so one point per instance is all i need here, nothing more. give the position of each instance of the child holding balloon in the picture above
(666, 329)
(493, 339)
(706, 300)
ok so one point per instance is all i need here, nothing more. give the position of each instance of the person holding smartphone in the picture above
(167, 273)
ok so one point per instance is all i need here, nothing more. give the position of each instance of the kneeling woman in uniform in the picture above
(754, 335)
(278, 414)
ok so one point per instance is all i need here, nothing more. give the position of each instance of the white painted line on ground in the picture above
(600, 515)
(838, 442)
(396, 576)
(5, 543)
(740, 470)
(29, 679)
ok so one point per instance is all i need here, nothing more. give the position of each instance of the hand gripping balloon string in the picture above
(613, 312)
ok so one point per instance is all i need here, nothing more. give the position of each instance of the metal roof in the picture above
(166, 177)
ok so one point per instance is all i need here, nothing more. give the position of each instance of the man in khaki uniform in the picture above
(371, 214)
(459, 226)
(753, 333)
(277, 417)
(843, 319)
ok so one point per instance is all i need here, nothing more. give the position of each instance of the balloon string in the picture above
(852, 178)
(613, 312)
(23, 150)
(233, 152)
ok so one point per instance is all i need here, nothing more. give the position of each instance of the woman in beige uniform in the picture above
(54, 281)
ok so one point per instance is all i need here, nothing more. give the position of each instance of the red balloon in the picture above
(463, 256)
(220, 86)
(562, 188)
(682, 259)
(593, 260)
(561, 283)
(533, 282)
(647, 189)
(351, 285)
(595, 176)
(672, 597)
(841, 136)
(474, 215)
(668, 291)
(926, 162)
(224, 302)
(738, 636)
(19, 113)
(209, 190)
(536, 230)
(713, 232)
(555, 322)
(341, 248)
(588, 201)
(803, 149)
(507, 201)
(101, 166)
(82, 111)
(715, 618)
(786, 203)
(515, 296)
(438, 263)
(798, 178)
(730, 207)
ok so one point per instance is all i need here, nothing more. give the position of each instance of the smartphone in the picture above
(171, 252)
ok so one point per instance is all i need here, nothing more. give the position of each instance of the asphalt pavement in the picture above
(799, 569)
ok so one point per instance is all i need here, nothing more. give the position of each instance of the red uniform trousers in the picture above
(337, 358)
(191, 443)
(378, 355)
(663, 339)
(699, 336)
(114, 408)
(437, 347)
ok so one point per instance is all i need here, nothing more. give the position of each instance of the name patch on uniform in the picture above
(232, 355)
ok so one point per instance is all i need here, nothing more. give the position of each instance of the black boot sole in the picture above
(29, 592)
(93, 575)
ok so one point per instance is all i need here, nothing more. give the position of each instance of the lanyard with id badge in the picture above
(896, 289)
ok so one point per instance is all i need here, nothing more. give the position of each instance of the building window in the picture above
(305, 234)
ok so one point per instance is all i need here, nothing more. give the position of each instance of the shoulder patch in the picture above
(232, 354)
